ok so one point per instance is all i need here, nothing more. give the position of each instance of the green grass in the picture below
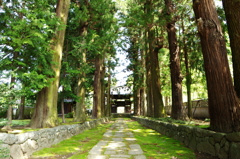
(157, 146)
(21, 126)
(78, 145)
(25, 122)
(3, 122)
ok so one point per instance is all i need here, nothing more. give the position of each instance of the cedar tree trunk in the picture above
(97, 87)
(45, 112)
(155, 72)
(103, 72)
(188, 74)
(108, 109)
(80, 115)
(176, 78)
(223, 103)
(232, 13)
(21, 108)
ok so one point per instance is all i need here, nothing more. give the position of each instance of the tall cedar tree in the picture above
(232, 13)
(224, 108)
(155, 72)
(80, 115)
(176, 78)
(154, 97)
(133, 56)
(102, 26)
(97, 112)
(45, 112)
(147, 11)
(188, 72)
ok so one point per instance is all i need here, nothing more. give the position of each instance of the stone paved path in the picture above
(117, 143)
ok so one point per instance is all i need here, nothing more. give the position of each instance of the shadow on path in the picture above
(117, 142)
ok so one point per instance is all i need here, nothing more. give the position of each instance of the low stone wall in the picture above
(21, 146)
(221, 145)
(121, 115)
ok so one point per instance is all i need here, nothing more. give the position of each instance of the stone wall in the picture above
(221, 145)
(21, 146)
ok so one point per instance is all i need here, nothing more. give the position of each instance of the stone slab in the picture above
(97, 157)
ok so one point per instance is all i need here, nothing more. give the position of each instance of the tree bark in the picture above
(223, 103)
(150, 105)
(63, 112)
(176, 78)
(103, 91)
(188, 85)
(133, 54)
(97, 87)
(108, 110)
(155, 72)
(188, 74)
(45, 112)
(80, 115)
(143, 85)
(21, 108)
(232, 13)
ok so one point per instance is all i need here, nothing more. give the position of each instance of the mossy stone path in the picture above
(117, 143)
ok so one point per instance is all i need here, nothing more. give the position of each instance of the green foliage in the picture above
(91, 31)
(8, 96)
(15, 122)
(4, 151)
(69, 115)
(27, 29)
(28, 112)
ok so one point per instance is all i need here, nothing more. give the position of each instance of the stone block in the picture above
(16, 152)
(8, 138)
(206, 147)
(234, 137)
(96, 150)
(211, 140)
(208, 133)
(29, 147)
(120, 156)
(110, 152)
(97, 157)
(135, 149)
(198, 132)
(43, 142)
(234, 152)
(140, 157)
(187, 141)
(226, 146)
(218, 137)
(222, 154)
(189, 129)
(21, 138)
(217, 148)
(34, 135)
(223, 141)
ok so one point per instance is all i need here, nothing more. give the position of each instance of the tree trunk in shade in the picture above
(224, 108)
